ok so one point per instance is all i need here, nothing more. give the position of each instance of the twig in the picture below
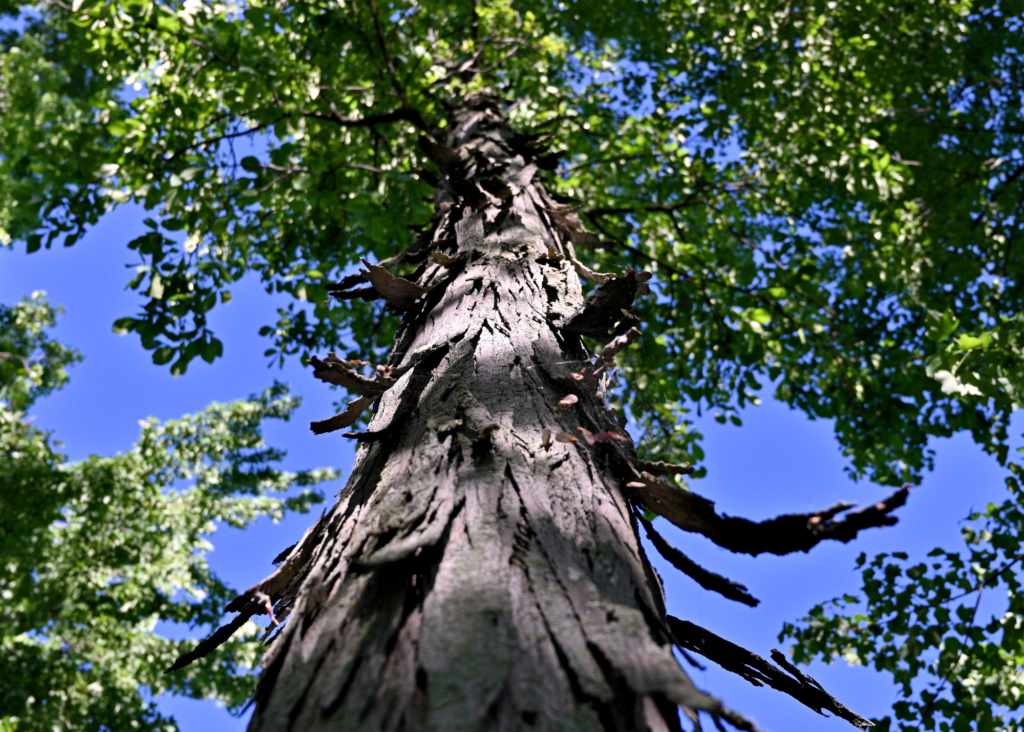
(962, 656)
(229, 136)
(403, 113)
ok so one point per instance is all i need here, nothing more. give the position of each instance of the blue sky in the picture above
(778, 462)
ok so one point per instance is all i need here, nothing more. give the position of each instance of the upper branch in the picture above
(399, 89)
(403, 113)
(226, 136)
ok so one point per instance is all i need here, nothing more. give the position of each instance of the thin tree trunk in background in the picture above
(468, 578)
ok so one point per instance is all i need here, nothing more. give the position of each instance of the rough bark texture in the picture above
(468, 578)
(482, 568)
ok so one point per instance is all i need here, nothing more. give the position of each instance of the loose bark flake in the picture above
(760, 672)
(443, 157)
(590, 376)
(443, 259)
(705, 578)
(256, 606)
(605, 307)
(360, 293)
(663, 468)
(567, 401)
(343, 420)
(399, 292)
(586, 272)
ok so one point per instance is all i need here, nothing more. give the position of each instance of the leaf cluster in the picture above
(97, 552)
(31, 364)
(806, 188)
(948, 628)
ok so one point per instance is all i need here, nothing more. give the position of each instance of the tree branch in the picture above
(199, 44)
(656, 208)
(229, 136)
(4, 355)
(794, 532)
(407, 114)
(399, 89)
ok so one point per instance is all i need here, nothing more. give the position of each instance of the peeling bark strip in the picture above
(759, 672)
(606, 308)
(399, 292)
(704, 578)
(476, 573)
(663, 468)
(334, 370)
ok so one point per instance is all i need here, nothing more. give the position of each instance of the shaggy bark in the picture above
(467, 577)
(482, 568)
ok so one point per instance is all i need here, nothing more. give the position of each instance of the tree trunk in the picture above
(468, 577)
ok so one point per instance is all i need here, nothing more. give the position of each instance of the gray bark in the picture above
(468, 578)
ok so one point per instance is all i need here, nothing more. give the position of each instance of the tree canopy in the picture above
(828, 194)
(97, 552)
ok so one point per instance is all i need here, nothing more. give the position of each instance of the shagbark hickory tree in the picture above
(482, 565)
(433, 180)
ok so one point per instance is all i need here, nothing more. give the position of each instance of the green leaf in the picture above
(969, 343)
(211, 350)
(163, 355)
(760, 315)
(123, 326)
(941, 325)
